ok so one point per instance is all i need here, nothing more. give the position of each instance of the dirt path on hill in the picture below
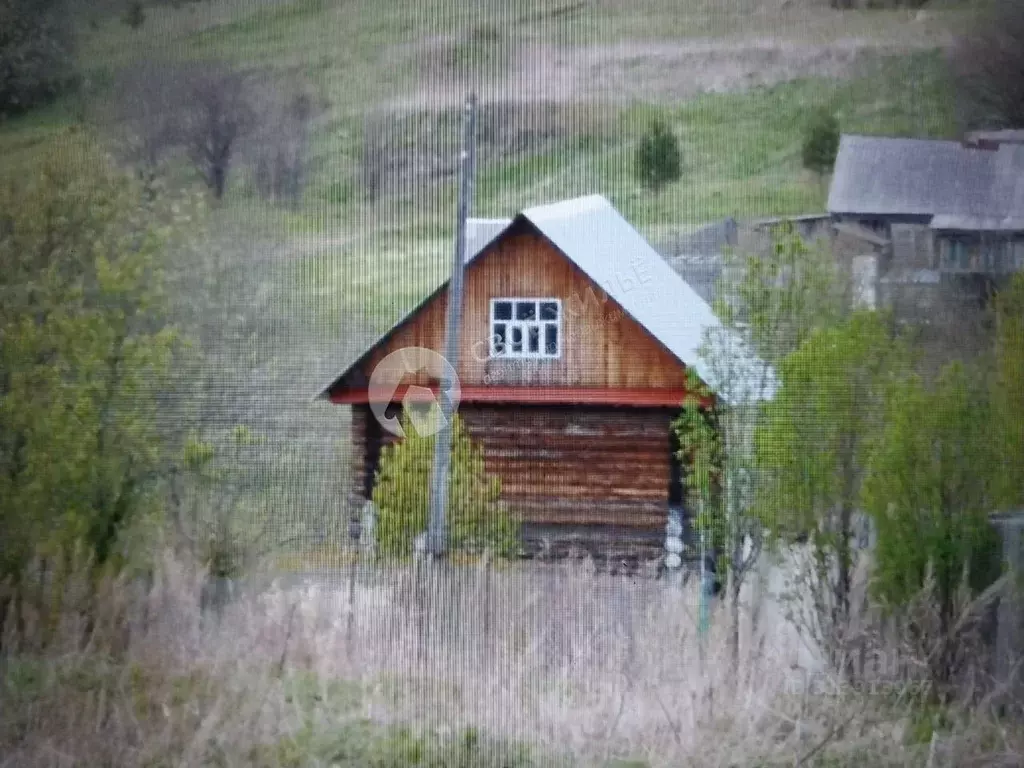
(637, 71)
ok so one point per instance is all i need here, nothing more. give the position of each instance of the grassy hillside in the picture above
(741, 157)
(566, 90)
(572, 79)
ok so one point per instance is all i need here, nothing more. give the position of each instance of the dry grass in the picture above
(467, 667)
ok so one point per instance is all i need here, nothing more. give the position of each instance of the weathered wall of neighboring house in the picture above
(864, 281)
(908, 281)
(700, 256)
(998, 253)
(911, 295)
(923, 273)
(898, 263)
(939, 272)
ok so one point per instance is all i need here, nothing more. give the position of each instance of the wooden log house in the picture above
(575, 340)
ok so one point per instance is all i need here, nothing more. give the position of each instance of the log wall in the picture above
(591, 478)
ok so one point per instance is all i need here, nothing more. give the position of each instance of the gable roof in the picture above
(962, 187)
(608, 250)
(1005, 212)
(881, 175)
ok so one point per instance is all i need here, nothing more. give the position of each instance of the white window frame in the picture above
(524, 325)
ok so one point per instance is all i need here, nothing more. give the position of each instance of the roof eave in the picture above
(325, 393)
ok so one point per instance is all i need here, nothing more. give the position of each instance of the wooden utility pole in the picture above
(437, 530)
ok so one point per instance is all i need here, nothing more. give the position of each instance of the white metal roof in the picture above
(606, 247)
(593, 235)
(479, 232)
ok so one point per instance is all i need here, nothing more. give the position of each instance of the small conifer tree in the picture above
(821, 142)
(475, 517)
(658, 158)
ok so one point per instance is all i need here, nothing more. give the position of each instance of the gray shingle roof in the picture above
(605, 247)
(877, 175)
(961, 187)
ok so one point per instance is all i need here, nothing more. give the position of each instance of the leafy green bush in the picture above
(214, 511)
(658, 158)
(987, 65)
(929, 488)
(820, 142)
(929, 492)
(702, 453)
(475, 517)
(85, 343)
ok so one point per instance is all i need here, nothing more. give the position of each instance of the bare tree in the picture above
(219, 114)
(988, 62)
(146, 115)
(277, 147)
(219, 118)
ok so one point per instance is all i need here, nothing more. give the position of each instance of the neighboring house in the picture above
(575, 341)
(948, 215)
(697, 256)
(809, 226)
(700, 257)
(992, 139)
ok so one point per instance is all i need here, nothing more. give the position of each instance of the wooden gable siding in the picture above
(601, 346)
(562, 468)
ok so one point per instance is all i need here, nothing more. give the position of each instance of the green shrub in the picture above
(475, 517)
(820, 142)
(658, 158)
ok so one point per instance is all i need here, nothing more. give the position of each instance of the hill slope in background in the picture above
(566, 89)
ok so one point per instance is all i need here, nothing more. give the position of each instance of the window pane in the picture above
(526, 310)
(534, 337)
(503, 310)
(551, 340)
(517, 334)
(548, 310)
(499, 338)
